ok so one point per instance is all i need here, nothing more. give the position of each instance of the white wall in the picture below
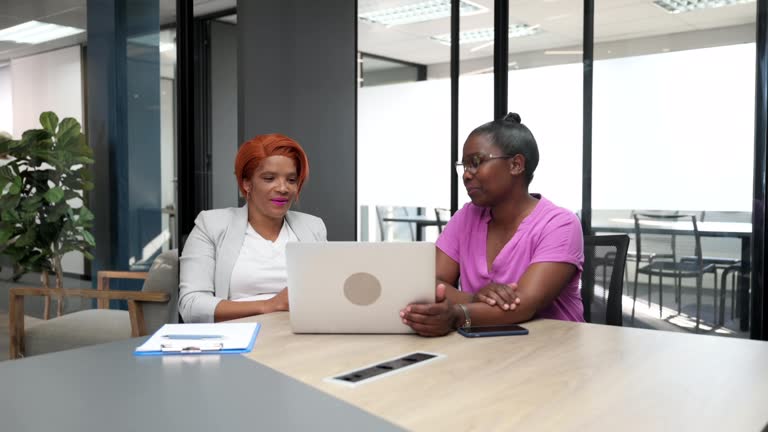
(675, 131)
(403, 154)
(670, 131)
(50, 81)
(6, 100)
(549, 101)
(404, 135)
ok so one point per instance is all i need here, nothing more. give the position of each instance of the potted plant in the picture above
(42, 213)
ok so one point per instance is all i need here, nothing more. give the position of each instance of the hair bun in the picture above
(512, 117)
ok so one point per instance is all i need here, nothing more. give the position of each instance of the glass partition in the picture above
(673, 134)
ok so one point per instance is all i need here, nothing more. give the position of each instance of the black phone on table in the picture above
(498, 330)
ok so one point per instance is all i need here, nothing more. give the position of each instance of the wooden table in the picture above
(563, 376)
(739, 230)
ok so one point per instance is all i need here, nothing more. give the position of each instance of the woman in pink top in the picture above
(516, 255)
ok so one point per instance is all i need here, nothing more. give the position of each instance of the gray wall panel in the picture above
(297, 76)
(224, 139)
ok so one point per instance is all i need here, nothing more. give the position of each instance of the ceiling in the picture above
(73, 13)
(559, 21)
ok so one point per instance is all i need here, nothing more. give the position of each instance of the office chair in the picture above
(442, 216)
(600, 247)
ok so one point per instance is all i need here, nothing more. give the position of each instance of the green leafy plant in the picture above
(42, 174)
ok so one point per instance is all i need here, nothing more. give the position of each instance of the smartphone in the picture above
(499, 330)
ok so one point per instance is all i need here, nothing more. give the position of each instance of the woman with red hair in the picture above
(233, 263)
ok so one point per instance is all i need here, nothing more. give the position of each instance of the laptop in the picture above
(351, 287)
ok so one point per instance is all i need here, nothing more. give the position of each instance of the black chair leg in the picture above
(738, 299)
(698, 301)
(715, 302)
(604, 287)
(733, 296)
(634, 297)
(649, 290)
(626, 278)
(721, 318)
(661, 290)
(677, 295)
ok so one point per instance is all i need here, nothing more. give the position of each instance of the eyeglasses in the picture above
(472, 163)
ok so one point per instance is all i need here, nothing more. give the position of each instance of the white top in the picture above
(260, 267)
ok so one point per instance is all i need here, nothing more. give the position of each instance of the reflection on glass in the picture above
(673, 83)
(167, 49)
(403, 109)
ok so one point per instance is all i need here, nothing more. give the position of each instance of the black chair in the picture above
(605, 261)
(735, 272)
(650, 256)
(599, 248)
(728, 265)
(677, 270)
(443, 216)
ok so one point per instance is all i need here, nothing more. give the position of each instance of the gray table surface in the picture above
(105, 388)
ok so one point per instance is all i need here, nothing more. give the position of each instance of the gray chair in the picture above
(148, 310)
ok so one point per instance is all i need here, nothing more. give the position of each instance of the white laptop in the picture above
(351, 287)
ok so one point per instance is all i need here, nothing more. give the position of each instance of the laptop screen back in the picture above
(351, 287)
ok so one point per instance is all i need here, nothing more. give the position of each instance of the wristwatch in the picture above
(467, 319)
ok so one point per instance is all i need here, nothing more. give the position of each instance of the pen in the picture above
(191, 337)
(191, 348)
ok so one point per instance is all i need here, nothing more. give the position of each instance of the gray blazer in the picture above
(211, 251)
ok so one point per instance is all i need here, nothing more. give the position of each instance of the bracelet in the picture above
(467, 319)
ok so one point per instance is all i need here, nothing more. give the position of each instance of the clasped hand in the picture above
(502, 295)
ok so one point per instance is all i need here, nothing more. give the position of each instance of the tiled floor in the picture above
(650, 316)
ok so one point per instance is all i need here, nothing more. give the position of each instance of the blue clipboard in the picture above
(201, 348)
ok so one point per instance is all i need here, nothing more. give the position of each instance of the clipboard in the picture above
(196, 339)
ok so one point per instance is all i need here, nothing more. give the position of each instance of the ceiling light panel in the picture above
(679, 6)
(35, 32)
(486, 34)
(420, 12)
